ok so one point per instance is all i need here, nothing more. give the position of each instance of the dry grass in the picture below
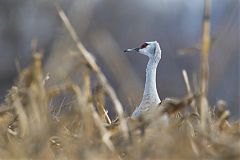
(32, 129)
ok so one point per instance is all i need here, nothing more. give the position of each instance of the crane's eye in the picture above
(144, 45)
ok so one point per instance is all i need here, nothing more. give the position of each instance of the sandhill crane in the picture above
(150, 99)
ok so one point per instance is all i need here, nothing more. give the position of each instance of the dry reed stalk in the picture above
(204, 64)
(99, 100)
(186, 80)
(101, 77)
(23, 119)
(86, 83)
(104, 132)
(185, 77)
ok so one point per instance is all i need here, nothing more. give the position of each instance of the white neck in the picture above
(150, 94)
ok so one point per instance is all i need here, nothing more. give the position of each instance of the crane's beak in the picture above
(131, 50)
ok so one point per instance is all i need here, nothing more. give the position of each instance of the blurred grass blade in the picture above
(204, 64)
(101, 77)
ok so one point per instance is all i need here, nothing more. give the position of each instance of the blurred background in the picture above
(107, 27)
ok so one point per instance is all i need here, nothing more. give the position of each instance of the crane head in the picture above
(150, 49)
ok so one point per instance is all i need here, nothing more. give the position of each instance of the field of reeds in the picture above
(31, 128)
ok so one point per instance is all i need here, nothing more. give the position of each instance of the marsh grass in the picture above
(31, 129)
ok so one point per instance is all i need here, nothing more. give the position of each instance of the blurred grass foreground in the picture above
(34, 125)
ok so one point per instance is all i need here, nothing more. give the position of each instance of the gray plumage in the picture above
(150, 99)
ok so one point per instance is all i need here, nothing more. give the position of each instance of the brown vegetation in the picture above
(32, 129)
